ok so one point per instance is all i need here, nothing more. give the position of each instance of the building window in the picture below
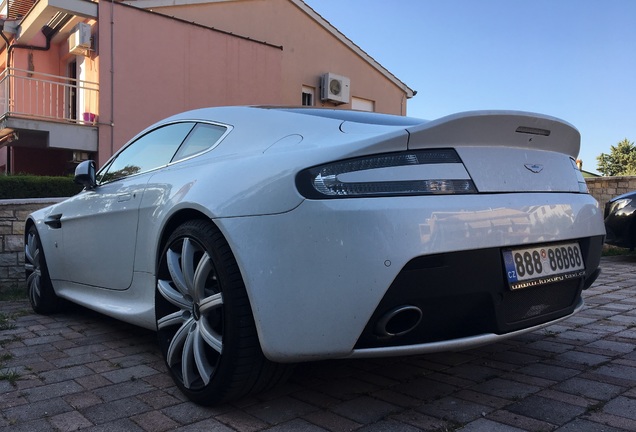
(362, 104)
(308, 96)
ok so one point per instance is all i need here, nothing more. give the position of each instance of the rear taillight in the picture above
(422, 172)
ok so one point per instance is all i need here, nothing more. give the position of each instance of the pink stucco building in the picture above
(79, 78)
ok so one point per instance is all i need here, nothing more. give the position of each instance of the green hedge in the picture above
(30, 186)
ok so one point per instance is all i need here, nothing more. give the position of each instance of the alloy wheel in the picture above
(195, 327)
(32, 267)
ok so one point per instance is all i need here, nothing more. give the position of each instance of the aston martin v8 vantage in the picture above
(251, 238)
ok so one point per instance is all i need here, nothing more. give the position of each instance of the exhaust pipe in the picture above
(399, 321)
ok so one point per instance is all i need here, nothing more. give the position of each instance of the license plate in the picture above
(539, 265)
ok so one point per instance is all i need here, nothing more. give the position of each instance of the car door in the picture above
(99, 226)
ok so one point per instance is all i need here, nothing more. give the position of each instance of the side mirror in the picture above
(85, 174)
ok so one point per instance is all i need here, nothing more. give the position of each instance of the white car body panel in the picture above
(503, 169)
(335, 237)
(315, 270)
(134, 305)
(115, 218)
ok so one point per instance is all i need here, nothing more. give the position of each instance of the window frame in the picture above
(104, 169)
(207, 149)
(311, 93)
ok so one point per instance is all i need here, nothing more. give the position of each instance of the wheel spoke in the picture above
(174, 297)
(33, 282)
(32, 259)
(176, 274)
(188, 365)
(204, 267)
(210, 336)
(34, 287)
(187, 264)
(201, 359)
(36, 260)
(175, 318)
(176, 344)
(28, 250)
(210, 303)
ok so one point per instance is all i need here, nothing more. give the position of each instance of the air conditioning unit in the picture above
(335, 88)
(79, 42)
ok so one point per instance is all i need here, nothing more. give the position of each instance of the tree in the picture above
(620, 161)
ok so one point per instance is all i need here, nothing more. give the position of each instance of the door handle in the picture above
(124, 197)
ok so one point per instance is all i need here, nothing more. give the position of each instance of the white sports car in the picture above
(254, 237)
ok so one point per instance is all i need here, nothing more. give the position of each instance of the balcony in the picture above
(43, 110)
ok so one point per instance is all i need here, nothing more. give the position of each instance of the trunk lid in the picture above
(508, 151)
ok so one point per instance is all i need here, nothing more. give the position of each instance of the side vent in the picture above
(79, 42)
(335, 88)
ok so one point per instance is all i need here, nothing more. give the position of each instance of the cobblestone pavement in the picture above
(81, 370)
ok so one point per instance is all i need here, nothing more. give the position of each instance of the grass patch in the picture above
(616, 251)
(595, 407)
(13, 338)
(549, 333)
(14, 294)
(10, 375)
(6, 319)
(5, 323)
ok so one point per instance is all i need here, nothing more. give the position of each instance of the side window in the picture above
(153, 150)
(202, 137)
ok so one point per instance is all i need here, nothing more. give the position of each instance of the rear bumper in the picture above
(458, 344)
(316, 275)
(464, 295)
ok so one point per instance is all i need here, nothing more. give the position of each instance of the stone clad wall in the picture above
(14, 212)
(12, 216)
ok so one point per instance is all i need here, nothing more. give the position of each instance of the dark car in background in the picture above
(620, 221)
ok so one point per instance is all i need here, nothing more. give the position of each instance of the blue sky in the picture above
(572, 59)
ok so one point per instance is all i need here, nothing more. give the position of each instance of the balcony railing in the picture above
(48, 97)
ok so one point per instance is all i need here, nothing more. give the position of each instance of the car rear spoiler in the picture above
(497, 128)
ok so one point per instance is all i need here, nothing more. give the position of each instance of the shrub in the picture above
(31, 186)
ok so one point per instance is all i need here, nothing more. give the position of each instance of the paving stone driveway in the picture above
(80, 370)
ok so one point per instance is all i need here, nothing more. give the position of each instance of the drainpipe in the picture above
(33, 47)
(9, 166)
(112, 78)
(48, 35)
(6, 41)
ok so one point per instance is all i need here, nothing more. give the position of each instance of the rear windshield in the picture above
(358, 116)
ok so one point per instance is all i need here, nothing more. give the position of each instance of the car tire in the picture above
(39, 287)
(205, 325)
